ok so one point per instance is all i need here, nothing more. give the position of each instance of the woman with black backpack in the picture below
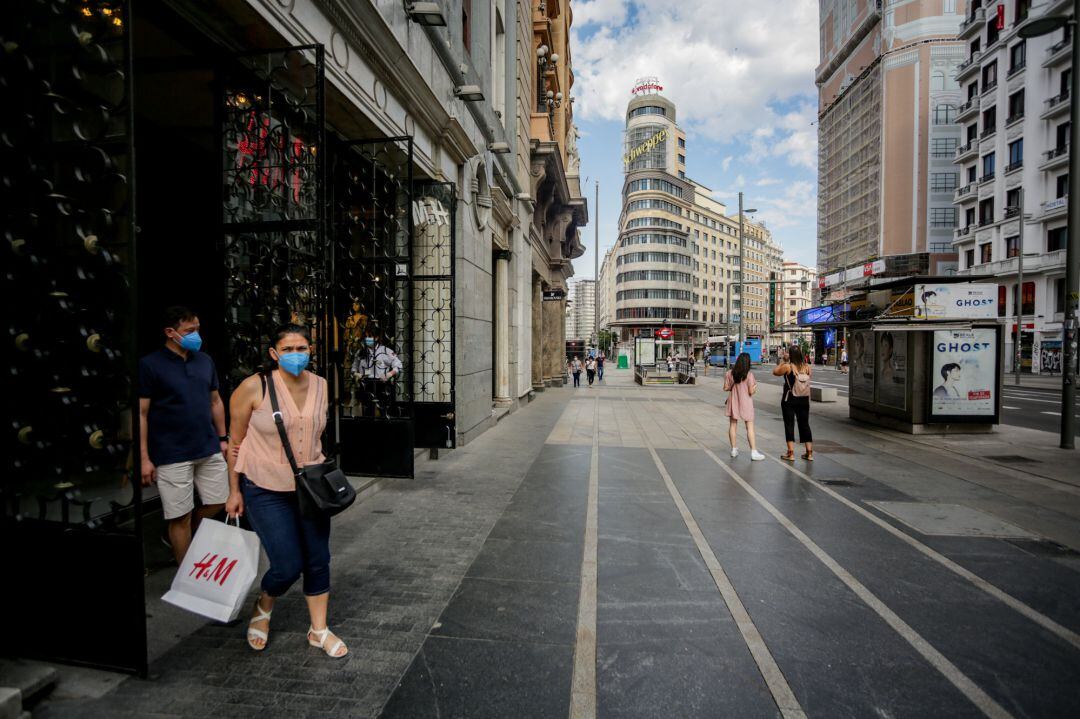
(795, 402)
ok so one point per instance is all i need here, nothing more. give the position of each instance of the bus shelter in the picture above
(925, 354)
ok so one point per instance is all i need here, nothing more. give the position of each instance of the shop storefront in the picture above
(168, 166)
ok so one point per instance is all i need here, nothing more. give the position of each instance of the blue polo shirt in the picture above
(179, 425)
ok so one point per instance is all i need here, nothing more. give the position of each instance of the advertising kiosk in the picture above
(925, 355)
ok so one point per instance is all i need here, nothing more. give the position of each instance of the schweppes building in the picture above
(677, 250)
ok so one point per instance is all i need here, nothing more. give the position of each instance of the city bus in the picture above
(723, 349)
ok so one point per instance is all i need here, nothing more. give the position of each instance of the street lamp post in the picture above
(1018, 357)
(1035, 28)
(742, 277)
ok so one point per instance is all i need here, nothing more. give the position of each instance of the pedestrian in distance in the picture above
(795, 401)
(262, 484)
(600, 367)
(843, 361)
(590, 370)
(740, 385)
(182, 429)
(575, 369)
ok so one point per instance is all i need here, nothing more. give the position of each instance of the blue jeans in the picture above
(294, 545)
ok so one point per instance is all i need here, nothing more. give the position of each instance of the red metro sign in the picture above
(665, 333)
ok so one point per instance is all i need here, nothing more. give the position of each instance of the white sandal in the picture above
(322, 634)
(258, 633)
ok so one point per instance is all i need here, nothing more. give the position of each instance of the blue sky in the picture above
(743, 84)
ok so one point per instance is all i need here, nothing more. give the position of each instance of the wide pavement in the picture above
(599, 553)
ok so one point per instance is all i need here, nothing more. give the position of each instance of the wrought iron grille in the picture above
(271, 108)
(372, 256)
(66, 161)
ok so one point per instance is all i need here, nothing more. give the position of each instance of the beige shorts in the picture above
(210, 475)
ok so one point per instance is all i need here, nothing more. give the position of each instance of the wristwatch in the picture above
(223, 438)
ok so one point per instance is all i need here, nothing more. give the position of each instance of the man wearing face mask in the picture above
(182, 428)
(377, 367)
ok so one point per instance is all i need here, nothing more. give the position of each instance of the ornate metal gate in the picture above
(270, 107)
(71, 506)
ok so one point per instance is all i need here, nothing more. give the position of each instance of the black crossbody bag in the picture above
(321, 489)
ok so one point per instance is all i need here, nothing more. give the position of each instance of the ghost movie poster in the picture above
(964, 373)
(892, 351)
(861, 365)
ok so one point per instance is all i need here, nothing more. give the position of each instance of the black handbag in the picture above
(322, 490)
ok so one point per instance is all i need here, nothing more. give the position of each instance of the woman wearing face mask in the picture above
(262, 485)
(376, 367)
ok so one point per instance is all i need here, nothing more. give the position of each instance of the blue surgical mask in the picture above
(294, 362)
(191, 342)
(369, 341)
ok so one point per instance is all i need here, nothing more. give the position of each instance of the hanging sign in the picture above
(554, 295)
(962, 301)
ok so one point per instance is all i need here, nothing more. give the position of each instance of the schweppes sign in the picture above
(645, 147)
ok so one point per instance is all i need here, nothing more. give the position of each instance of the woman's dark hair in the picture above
(947, 369)
(741, 368)
(289, 328)
(886, 338)
(795, 356)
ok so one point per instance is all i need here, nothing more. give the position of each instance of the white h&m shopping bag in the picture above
(217, 572)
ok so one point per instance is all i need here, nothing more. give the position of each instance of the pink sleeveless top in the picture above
(262, 458)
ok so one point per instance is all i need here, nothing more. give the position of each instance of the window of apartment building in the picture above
(1016, 105)
(986, 211)
(466, 25)
(943, 146)
(986, 253)
(1065, 82)
(1017, 56)
(972, 132)
(969, 217)
(949, 7)
(1062, 186)
(1016, 153)
(1062, 135)
(944, 181)
(1027, 306)
(943, 217)
(1021, 10)
(989, 76)
(973, 90)
(989, 121)
(992, 32)
(1057, 238)
(682, 159)
(974, 47)
(682, 142)
(1012, 198)
(969, 259)
(944, 114)
(1002, 301)
(988, 165)
(972, 174)
(1059, 294)
(1012, 246)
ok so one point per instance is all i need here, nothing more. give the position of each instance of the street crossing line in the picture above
(939, 661)
(1034, 615)
(950, 671)
(583, 685)
(770, 670)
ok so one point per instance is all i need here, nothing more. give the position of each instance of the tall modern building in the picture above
(1015, 159)
(676, 260)
(795, 296)
(581, 306)
(888, 131)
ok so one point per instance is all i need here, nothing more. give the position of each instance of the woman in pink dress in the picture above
(741, 385)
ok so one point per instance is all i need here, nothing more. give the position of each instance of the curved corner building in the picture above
(677, 255)
(653, 263)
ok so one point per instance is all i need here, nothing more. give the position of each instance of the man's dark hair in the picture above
(947, 369)
(174, 315)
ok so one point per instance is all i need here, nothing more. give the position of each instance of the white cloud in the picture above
(733, 75)
(796, 206)
(603, 12)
